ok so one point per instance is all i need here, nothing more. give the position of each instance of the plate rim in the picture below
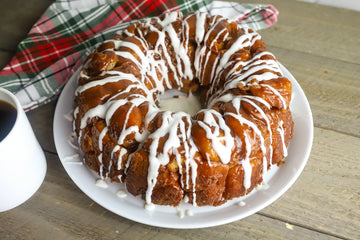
(147, 217)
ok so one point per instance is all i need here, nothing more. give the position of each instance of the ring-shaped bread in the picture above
(218, 154)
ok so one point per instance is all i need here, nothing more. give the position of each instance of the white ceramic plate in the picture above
(278, 179)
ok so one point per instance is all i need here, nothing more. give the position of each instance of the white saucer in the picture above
(278, 179)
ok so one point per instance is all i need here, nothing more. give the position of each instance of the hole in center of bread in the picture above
(177, 101)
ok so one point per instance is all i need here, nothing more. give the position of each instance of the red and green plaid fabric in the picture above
(70, 29)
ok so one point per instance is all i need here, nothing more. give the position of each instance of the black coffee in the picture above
(7, 118)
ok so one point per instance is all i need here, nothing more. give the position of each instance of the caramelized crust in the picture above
(220, 153)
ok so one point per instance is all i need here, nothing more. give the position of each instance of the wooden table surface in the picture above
(320, 46)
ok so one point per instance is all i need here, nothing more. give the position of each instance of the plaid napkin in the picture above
(70, 29)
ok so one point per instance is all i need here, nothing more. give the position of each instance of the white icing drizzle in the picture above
(200, 51)
(242, 42)
(70, 157)
(101, 183)
(247, 76)
(180, 212)
(98, 111)
(123, 151)
(247, 169)
(223, 150)
(101, 136)
(121, 194)
(101, 167)
(111, 79)
(109, 168)
(176, 126)
(171, 122)
(216, 39)
(189, 213)
(76, 111)
(74, 162)
(277, 94)
(69, 116)
(115, 149)
(256, 61)
(262, 186)
(193, 165)
(161, 66)
(180, 52)
(170, 17)
(246, 164)
(247, 73)
(280, 129)
(149, 207)
(125, 130)
(200, 27)
(267, 120)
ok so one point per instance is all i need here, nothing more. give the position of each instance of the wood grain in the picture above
(17, 17)
(331, 86)
(326, 197)
(315, 29)
(319, 46)
(59, 209)
(41, 121)
(4, 58)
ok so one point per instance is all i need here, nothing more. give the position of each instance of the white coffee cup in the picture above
(22, 161)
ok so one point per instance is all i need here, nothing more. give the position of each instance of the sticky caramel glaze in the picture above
(220, 153)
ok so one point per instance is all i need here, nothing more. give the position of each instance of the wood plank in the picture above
(326, 197)
(41, 120)
(59, 209)
(315, 29)
(331, 86)
(281, 209)
(323, 204)
(17, 17)
(5, 58)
